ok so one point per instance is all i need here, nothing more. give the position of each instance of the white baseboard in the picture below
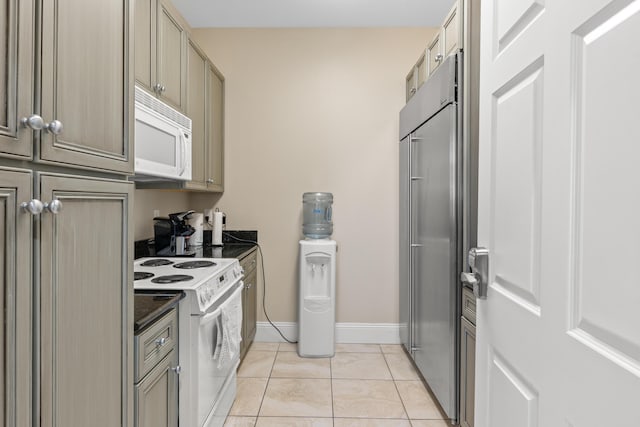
(355, 333)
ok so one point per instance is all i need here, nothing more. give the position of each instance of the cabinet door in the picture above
(16, 77)
(434, 53)
(156, 397)
(467, 373)
(86, 303)
(249, 308)
(171, 55)
(196, 106)
(87, 83)
(451, 39)
(145, 42)
(411, 85)
(215, 129)
(15, 299)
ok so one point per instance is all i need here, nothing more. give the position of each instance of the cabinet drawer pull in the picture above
(161, 341)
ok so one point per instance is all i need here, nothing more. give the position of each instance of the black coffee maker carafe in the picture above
(172, 234)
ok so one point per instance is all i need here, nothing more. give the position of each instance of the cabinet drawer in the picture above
(469, 305)
(154, 343)
(249, 262)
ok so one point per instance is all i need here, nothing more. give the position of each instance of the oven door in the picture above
(214, 362)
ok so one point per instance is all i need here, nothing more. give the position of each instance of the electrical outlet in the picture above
(156, 213)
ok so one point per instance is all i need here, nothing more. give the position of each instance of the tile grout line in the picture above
(333, 411)
(395, 385)
(264, 394)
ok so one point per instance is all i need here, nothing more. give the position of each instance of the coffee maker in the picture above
(172, 234)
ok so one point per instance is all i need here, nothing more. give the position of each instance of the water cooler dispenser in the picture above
(317, 305)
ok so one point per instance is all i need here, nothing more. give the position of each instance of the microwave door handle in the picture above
(183, 153)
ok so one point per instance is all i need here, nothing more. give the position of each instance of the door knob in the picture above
(54, 206)
(33, 206)
(478, 279)
(33, 122)
(54, 127)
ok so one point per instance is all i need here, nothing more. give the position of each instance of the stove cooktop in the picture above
(205, 278)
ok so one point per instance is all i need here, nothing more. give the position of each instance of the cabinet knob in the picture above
(33, 206)
(177, 369)
(210, 181)
(33, 122)
(54, 206)
(161, 341)
(55, 127)
(439, 57)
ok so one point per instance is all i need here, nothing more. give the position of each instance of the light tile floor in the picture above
(363, 385)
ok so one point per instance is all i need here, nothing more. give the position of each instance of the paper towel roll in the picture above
(216, 236)
(196, 221)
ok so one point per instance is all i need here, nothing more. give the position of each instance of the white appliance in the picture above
(162, 140)
(317, 305)
(209, 324)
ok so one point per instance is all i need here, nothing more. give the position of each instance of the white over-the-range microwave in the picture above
(162, 140)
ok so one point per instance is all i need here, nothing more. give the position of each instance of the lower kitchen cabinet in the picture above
(16, 240)
(156, 396)
(156, 373)
(249, 301)
(81, 285)
(85, 296)
(467, 360)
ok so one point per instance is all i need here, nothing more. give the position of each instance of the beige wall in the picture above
(146, 201)
(316, 110)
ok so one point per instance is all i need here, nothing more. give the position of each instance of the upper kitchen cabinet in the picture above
(417, 76)
(451, 31)
(196, 110)
(16, 78)
(448, 40)
(434, 53)
(161, 51)
(215, 129)
(205, 108)
(86, 86)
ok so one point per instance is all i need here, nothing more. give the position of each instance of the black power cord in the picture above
(264, 284)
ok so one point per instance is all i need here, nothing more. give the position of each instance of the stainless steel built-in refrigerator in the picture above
(432, 241)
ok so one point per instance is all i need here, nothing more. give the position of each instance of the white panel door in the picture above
(558, 335)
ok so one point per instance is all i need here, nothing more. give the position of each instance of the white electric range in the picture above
(209, 328)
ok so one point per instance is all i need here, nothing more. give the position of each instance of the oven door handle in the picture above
(208, 316)
(211, 316)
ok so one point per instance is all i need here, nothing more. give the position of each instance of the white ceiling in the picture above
(313, 13)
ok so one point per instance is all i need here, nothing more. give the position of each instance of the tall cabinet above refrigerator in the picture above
(434, 229)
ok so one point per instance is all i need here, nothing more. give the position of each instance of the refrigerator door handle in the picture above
(417, 178)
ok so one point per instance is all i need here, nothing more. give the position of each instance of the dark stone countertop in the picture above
(236, 244)
(151, 305)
